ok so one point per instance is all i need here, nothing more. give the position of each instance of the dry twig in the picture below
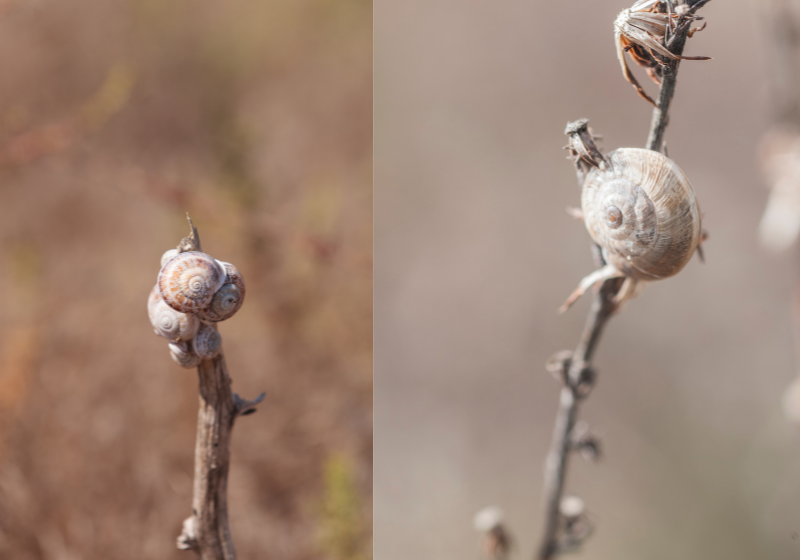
(207, 531)
(574, 369)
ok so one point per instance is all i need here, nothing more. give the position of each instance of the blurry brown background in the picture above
(116, 118)
(474, 254)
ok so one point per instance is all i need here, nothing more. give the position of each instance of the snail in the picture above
(207, 343)
(167, 256)
(188, 281)
(184, 355)
(193, 291)
(642, 212)
(228, 299)
(171, 324)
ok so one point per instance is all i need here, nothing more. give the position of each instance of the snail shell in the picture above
(642, 211)
(165, 258)
(171, 324)
(207, 343)
(188, 281)
(228, 299)
(183, 354)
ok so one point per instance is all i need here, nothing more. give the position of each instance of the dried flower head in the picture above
(643, 31)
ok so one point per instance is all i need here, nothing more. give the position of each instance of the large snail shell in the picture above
(643, 213)
(171, 324)
(188, 281)
(207, 343)
(228, 299)
(183, 354)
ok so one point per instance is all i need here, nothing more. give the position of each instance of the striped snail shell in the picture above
(207, 343)
(183, 354)
(188, 281)
(228, 299)
(171, 324)
(642, 211)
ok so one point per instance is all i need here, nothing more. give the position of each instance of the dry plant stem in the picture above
(658, 126)
(602, 309)
(207, 531)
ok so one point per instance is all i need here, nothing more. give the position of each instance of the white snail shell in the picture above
(171, 324)
(183, 354)
(642, 211)
(207, 343)
(228, 299)
(188, 281)
(165, 258)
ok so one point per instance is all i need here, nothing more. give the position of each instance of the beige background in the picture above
(116, 118)
(474, 254)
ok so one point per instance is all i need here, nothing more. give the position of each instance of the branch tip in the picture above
(245, 407)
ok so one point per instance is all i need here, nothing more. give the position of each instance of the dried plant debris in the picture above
(645, 30)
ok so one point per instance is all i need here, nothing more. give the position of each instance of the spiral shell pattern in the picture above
(228, 299)
(183, 354)
(188, 281)
(643, 213)
(171, 324)
(207, 343)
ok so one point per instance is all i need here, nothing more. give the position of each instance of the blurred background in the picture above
(474, 254)
(117, 118)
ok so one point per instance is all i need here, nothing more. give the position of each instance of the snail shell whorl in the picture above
(643, 213)
(171, 324)
(188, 281)
(228, 299)
(183, 354)
(207, 343)
(165, 258)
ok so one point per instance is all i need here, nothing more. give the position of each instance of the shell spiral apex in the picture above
(642, 211)
(228, 299)
(171, 324)
(188, 281)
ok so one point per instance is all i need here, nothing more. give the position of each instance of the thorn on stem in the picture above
(558, 365)
(245, 407)
(192, 241)
(586, 443)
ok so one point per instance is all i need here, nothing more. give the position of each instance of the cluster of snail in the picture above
(640, 209)
(193, 292)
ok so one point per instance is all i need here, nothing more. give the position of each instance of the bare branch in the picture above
(575, 369)
(207, 531)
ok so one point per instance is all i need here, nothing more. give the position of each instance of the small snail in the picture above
(188, 281)
(642, 212)
(167, 256)
(207, 343)
(193, 291)
(184, 355)
(228, 299)
(171, 324)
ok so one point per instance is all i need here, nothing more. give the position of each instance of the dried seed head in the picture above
(643, 31)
